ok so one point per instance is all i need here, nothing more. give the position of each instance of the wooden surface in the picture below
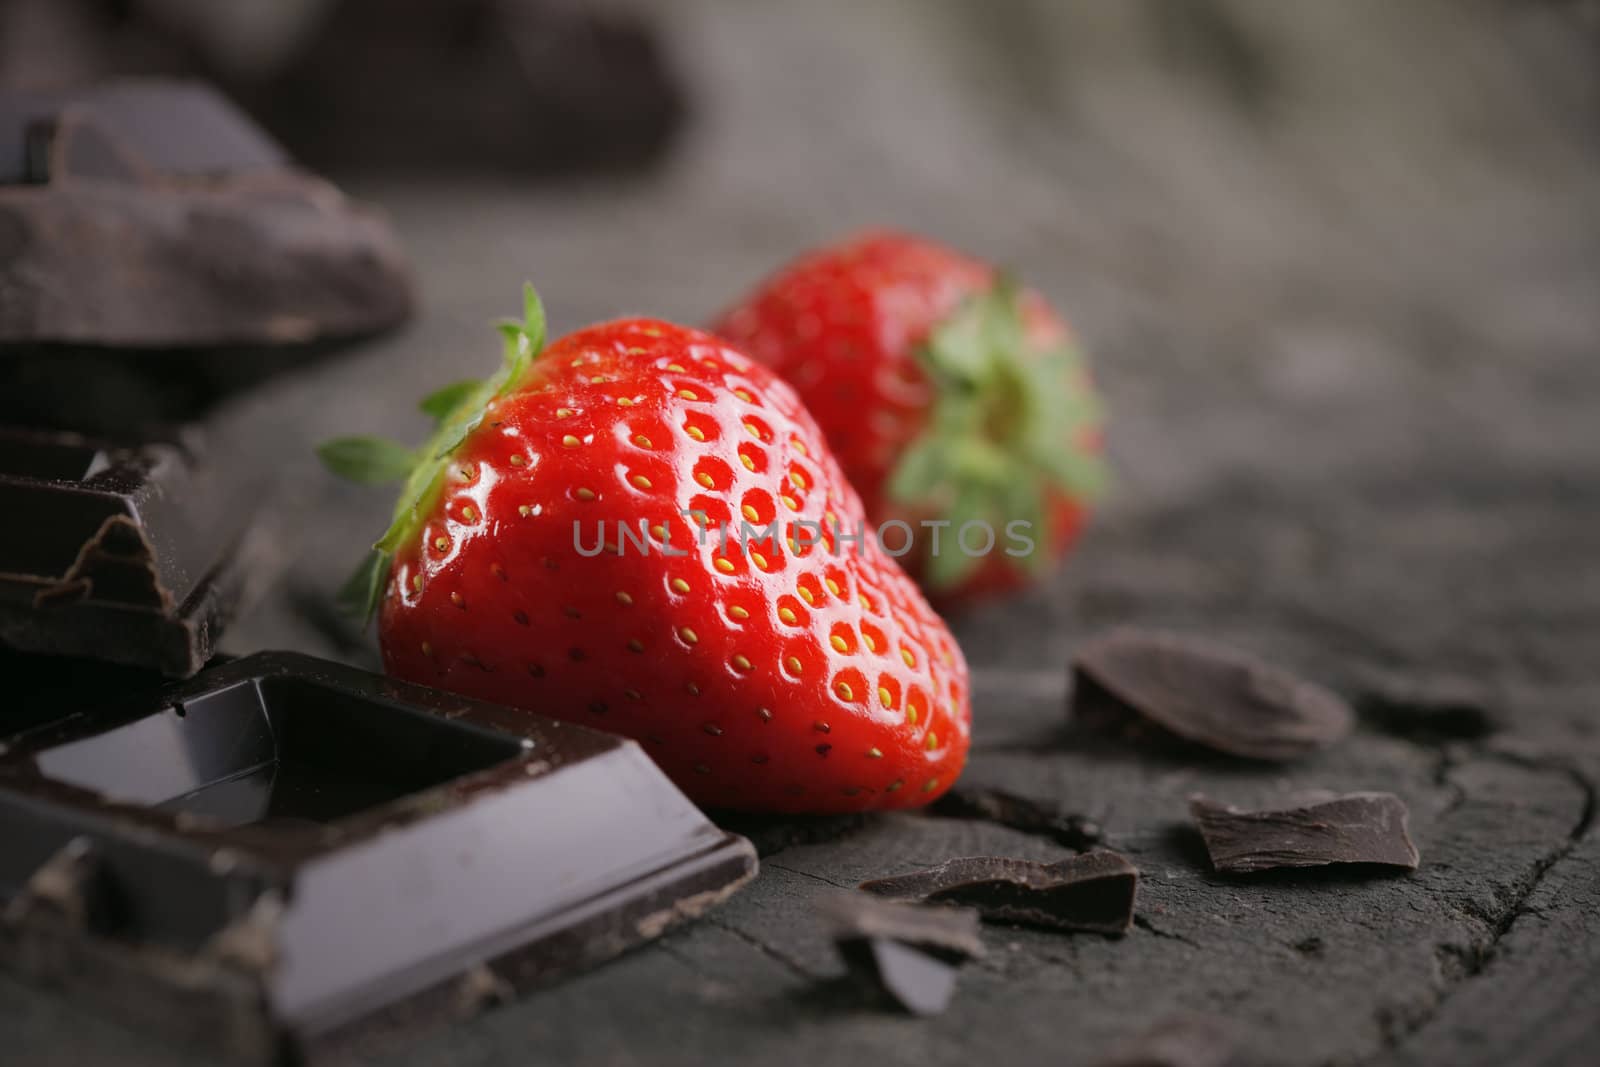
(1350, 343)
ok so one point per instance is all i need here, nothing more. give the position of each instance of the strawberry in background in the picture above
(948, 395)
(556, 547)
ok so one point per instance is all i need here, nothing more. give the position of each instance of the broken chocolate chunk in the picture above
(1429, 709)
(950, 933)
(1359, 828)
(1018, 813)
(152, 213)
(134, 554)
(1093, 892)
(172, 128)
(909, 952)
(919, 983)
(284, 857)
(1207, 694)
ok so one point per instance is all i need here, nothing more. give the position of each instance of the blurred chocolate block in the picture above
(152, 214)
(527, 86)
(546, 86)
(287, 858)
(119, 392)
(133, 554)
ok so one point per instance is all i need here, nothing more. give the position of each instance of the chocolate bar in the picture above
(1359, 828)
(134, 554)
(285, 857)
(1205, 694)
(153, 214)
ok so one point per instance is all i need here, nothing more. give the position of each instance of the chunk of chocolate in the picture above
(176, 129)
(133, 554)
(949, 933)
(908, 952)
(285, 856)
(533, 86)
(152, 213)
(1093, 892)
(1364, 828)
(1207, 694)
(1019, 813)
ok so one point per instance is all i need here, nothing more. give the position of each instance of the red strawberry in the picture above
(766, 675)
(946, 394)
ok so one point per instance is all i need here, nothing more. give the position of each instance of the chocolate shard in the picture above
(284, 859)
(1357, 828)
(153, 214)
(918, 982)
(1184, 1040)
(131, 553)
(1019, 813)
(1207, 694)
(950, 933)
(1093, 892)
(909, 952)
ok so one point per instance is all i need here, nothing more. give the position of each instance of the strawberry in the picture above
(558, 547)
(948, 396)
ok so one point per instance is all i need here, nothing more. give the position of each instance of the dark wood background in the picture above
(1338, 267)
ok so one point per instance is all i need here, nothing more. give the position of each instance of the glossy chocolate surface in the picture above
(300, 845)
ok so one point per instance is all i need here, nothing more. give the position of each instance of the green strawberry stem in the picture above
(1000, 438)
(456, 409)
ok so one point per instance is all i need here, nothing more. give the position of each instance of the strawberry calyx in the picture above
(999, 438)
(457, 409)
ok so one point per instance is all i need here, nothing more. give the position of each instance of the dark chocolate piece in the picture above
(909, 952)
(284, 856)
(178, 129)
(950, 933)
(154, 214)
(1429, 709)
(1186, 1040)
(1018, 813)
(128, 554)
(1207, 694)
(44, 690)
(536, 85)
(1366, 828)
(1093, 892)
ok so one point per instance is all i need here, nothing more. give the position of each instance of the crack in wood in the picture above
(806, 874)
(1466, 963)
(794, 966)
(1149, 927)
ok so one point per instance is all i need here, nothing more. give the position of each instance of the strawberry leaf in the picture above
(440, 404)
(1007, 430)
(368, 460)
(457, 410)
(359, 595)
(524, 341)
(533, 320)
